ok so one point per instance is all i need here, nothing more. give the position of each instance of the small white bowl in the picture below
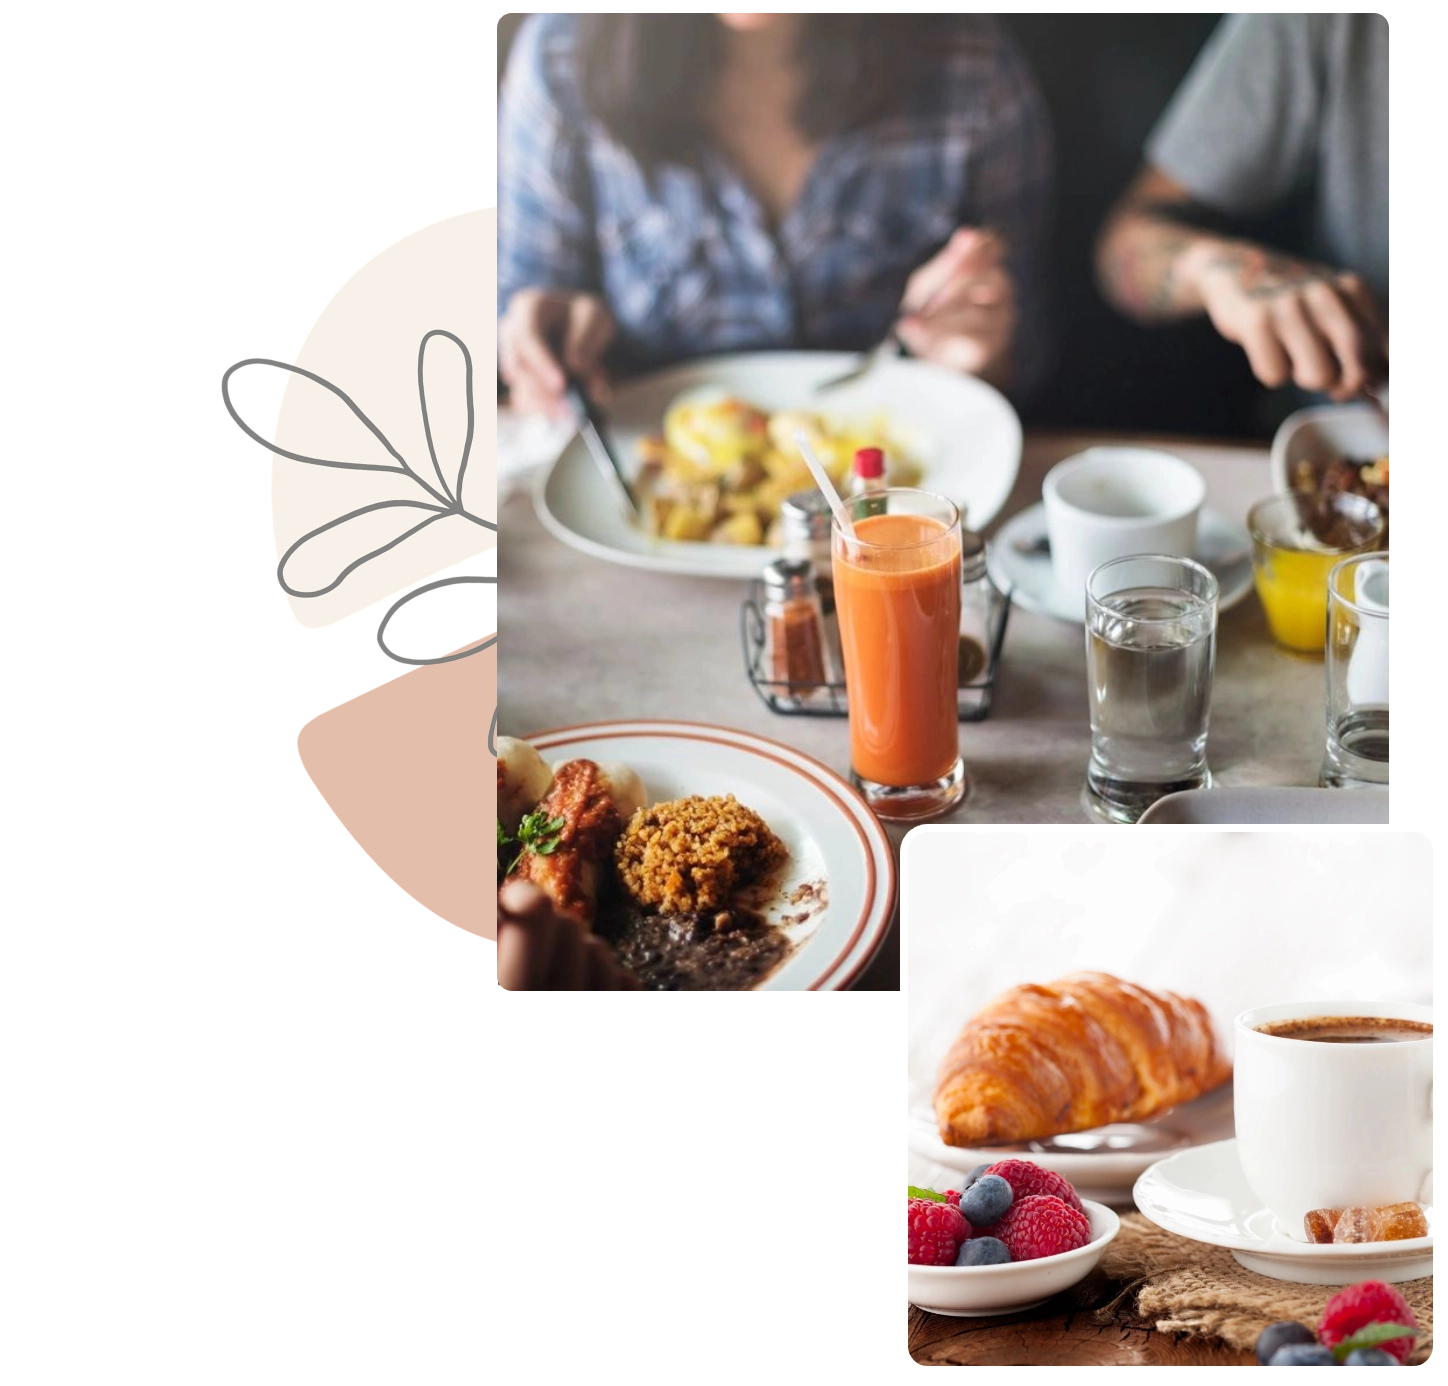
(978, 1291)
(1324, 433)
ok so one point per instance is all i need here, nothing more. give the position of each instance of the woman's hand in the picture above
(545, 333)
(959, 308)
(1297, 321)
(540, 949)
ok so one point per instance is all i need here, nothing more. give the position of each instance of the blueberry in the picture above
(982, 1251)
(1364, 1357)
(973, 1176)
(1277, 1335)
(986, 1201)
(1303, 1355)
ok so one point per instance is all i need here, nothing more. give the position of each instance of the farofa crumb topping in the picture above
(691, 854)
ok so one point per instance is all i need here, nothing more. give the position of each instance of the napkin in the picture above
(526, 444)
(1186, 1287)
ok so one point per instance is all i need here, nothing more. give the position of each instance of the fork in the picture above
(889, 346)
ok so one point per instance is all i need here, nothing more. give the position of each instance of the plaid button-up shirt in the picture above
(689, 262)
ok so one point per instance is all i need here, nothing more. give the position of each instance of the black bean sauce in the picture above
(714, 950)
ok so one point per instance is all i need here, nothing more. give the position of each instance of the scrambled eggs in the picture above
(722, 468)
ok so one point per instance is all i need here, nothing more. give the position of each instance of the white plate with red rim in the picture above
(964, 434)
(1105, 1161)
(978, 1291)
(831, 833)
(1202, 1194)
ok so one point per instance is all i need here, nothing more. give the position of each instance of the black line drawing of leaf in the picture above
(446, 501)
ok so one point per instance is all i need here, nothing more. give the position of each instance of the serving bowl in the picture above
(979, 1291)
(1324, 433)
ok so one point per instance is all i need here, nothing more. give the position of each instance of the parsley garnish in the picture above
(537, 833)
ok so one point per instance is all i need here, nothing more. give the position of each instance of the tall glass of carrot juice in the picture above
(897, 593)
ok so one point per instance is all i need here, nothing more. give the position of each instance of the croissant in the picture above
(1083, 1052)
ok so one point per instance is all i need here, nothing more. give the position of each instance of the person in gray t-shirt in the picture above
(1278, 108)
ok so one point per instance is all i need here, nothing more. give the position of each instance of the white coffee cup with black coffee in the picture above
(1334, 1105)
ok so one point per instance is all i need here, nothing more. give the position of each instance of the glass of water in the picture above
(1357, 673)
(1151, 637)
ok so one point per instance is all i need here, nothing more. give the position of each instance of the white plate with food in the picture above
(1202, 1194)
(1091, 1076)
(788, 887)
(708, 448)
(1020, 563)
(1267, 804)
(1103, 1161)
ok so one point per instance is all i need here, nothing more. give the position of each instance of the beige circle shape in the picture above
(366, 343)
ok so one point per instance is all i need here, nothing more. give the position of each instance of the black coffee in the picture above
(1349, 1029)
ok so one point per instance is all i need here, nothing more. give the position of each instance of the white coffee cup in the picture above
(1108, 503)
(1332, 1125)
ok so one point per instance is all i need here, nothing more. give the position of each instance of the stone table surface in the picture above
(582, 640)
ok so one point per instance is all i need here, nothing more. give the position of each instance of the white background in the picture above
(1234, 920)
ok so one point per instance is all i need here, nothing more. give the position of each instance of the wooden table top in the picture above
(1066, 1334)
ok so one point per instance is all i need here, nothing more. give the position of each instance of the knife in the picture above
(594, 431)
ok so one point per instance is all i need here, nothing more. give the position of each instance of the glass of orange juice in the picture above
(1297, 538)
(897, 596)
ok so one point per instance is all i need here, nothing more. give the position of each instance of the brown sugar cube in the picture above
(1356, 1225)
(1399, 1221)
(1320, 1223)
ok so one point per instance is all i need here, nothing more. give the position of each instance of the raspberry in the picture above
(936, 1232)
(952, 1197)
(1026, 1179)
(1041, 1225)
(1369, 1301)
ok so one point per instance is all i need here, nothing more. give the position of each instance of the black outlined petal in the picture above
(483, 619)
(366, 527)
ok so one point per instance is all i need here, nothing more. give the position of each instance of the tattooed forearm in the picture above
(1263, 274)
(1140, 267)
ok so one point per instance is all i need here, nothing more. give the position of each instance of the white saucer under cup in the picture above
(1202, 1194)
(1019, 563)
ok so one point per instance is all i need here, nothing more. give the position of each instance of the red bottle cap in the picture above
(869, 462)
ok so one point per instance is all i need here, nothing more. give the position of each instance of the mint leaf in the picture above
(926, 1193)
(1373, 1335)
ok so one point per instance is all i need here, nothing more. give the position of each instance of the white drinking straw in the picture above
(822, 480)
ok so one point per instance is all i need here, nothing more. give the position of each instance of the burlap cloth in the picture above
(1189, 1287)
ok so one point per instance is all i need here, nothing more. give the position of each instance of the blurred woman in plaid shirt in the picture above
(675, 185)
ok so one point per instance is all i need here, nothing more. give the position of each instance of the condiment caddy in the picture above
(791, 638)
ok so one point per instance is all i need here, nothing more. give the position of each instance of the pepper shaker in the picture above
(805, 519)
(982, 606)
(794, 639)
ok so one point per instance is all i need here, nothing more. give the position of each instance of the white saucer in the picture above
(1202, 1194)
(1222, 547)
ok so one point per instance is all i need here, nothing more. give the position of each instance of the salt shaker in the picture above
(982, 607)
(794, 639)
